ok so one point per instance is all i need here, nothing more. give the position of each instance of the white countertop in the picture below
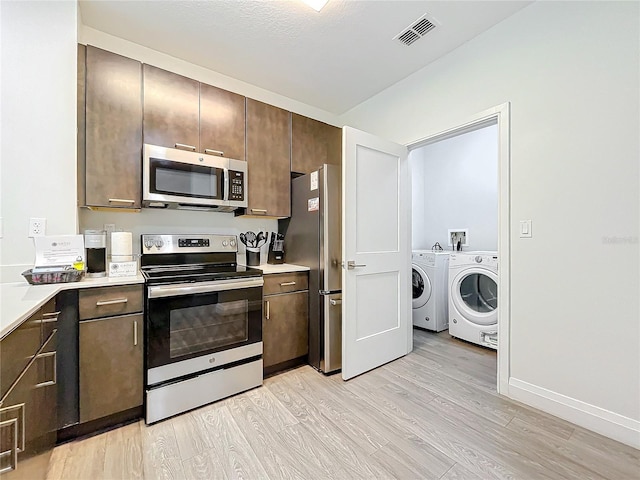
(18, 300)
(282, 268)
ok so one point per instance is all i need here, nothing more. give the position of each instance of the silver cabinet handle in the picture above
(268, 312)
(121, 200)
(351, 264)
(335, 302)
(287, 284)
(18, 431)
(13, 463)
(55, 369)
(210, 151)
(259, 210)
(102, 303)
(184, 146)
(135, 332)
(50, 317)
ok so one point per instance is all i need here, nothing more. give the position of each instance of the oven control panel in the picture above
(188, 243)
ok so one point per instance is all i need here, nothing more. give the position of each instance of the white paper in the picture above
(123, 269)
(313, 204)
(59, 250)
(314, 180)
(121, 243)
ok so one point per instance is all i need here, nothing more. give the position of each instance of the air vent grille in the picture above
(416, 30)
(409, 37)
(423, 26)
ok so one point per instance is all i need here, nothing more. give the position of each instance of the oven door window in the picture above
(185, 180)
(189, 326)
(202, 328)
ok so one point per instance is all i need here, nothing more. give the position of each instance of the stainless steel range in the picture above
(203, 315)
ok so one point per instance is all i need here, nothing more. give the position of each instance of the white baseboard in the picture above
(604, 422)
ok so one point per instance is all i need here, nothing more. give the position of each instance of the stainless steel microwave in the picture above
(174, 178)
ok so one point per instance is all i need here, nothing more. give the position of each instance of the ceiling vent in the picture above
(416, 30)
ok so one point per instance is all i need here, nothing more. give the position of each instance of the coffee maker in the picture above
(276, 249)
(95, 244)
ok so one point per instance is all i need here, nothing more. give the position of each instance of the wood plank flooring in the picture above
(433, 414)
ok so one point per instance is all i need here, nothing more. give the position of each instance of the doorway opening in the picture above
(460, 235)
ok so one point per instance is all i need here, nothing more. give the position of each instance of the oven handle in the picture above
(179, 289)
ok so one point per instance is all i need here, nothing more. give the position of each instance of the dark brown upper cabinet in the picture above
(313, 144)
(222, 122)
(268, 157)
(113, 131)
(183, 113)
(171, 109)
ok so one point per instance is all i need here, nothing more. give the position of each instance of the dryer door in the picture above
(474, 292)
(421, 286)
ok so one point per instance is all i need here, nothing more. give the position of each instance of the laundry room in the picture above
(455, 198)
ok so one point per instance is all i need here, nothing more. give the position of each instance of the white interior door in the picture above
(376, 295)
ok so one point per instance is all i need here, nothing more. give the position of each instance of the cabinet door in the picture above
(171, 109)
(28, 418)
(268, 158)
(81, 124)
(110, 365)
(313, 144)
(285, 327)
(18, 348)
(113, 130)
(222, 122)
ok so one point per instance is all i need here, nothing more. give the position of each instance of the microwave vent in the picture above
(416, 30)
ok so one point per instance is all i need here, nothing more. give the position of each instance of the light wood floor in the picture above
(432, 414)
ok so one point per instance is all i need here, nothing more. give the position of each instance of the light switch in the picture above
(525, 228)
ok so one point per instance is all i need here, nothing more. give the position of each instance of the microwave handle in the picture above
(226, 184)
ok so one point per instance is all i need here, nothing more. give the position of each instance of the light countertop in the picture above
(282, 268)
(19, 300)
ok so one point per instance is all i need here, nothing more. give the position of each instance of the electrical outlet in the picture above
(37, 227)
(109, 228)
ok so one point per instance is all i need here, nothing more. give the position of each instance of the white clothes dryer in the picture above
(429, 280)
(473, 297)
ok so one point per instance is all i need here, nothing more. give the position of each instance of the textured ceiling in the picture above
(332, 60)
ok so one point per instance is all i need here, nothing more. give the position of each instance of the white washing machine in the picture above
(473, 297)
(430, 272)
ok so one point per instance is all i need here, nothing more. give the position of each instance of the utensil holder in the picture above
(253, 257)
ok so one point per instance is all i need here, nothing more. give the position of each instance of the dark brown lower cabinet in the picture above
(285, 329)
(111, 356)
(28, 420)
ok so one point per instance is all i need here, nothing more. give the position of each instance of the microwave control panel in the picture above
(236, 185)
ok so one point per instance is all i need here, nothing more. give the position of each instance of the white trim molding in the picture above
(609, 424)
(500, 115)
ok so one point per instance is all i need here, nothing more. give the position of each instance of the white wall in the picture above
(178, 221)
(571, 73)
(38, 112)
(455, 185)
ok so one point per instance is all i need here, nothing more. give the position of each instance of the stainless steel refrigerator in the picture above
(313, 238)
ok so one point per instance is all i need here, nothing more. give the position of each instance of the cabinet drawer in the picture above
(285, 282)
(109, 301)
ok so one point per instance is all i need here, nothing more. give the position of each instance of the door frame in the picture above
(500, 115)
